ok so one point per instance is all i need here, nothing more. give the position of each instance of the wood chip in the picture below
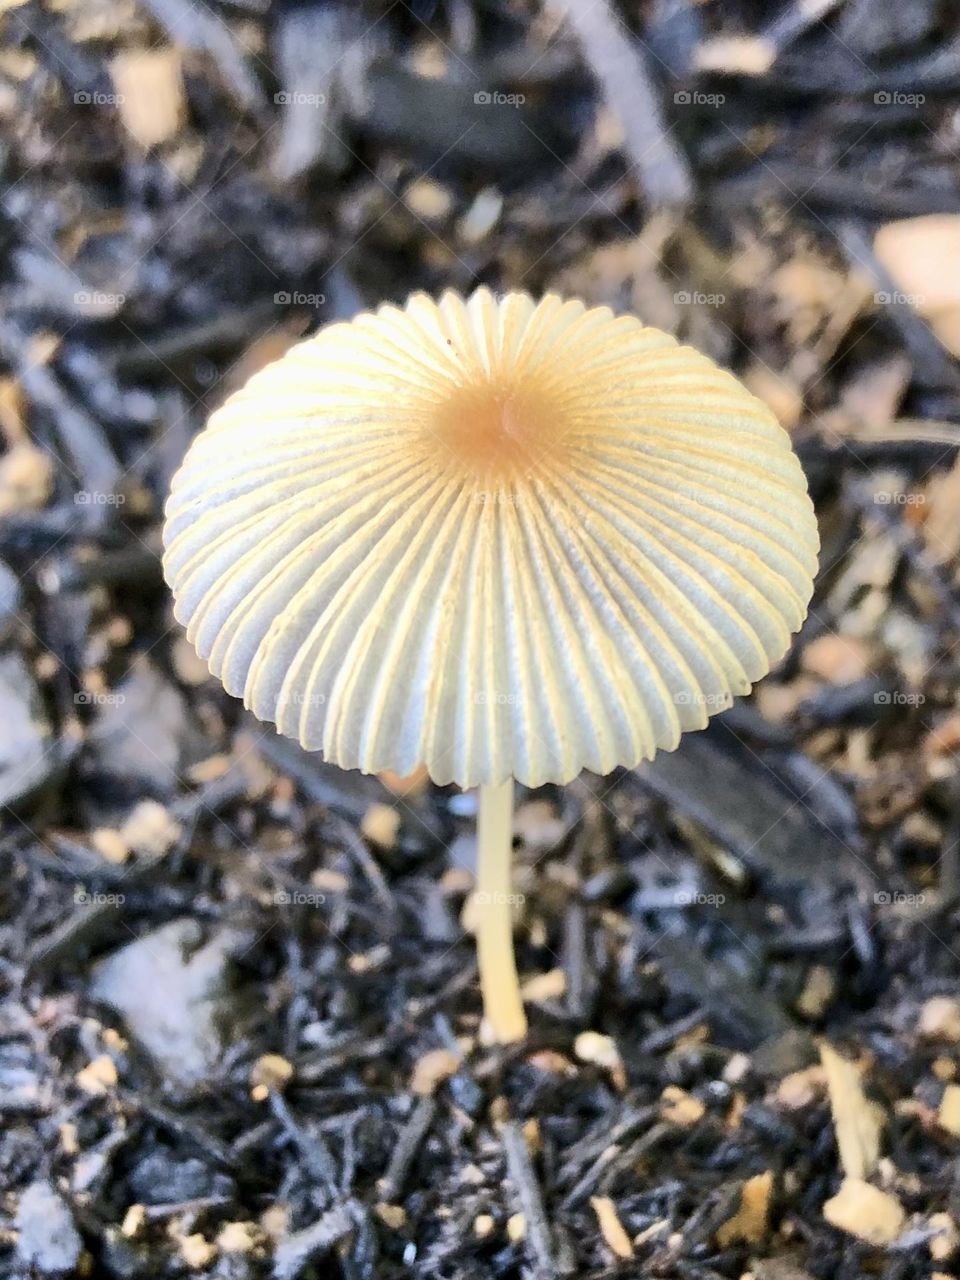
(110, 845)
(946, 1239)
(679, 1107)
(381, 826)
(98, 1076)
(150, 98)
(271, 1073)
(150, 829)
(196, 1251)
(735, 55)
(866, 1212)
(949, 1113)
(239, 1237)
(940, 1019)
(133, 1221)
(26, 479)
(922, 256)
(857, 1121)
(545, 986)
(611, 1228)
(432, 1069)
(750, 1223)
(839, 659)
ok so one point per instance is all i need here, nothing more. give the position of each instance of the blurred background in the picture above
(239, 1018)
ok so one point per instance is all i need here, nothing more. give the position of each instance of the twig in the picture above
(524, 1180)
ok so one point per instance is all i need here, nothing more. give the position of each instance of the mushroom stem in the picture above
(502, 1005)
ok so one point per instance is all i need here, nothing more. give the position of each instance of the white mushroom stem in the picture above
(502, 1005)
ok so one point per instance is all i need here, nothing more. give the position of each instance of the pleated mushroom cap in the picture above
(493, 537)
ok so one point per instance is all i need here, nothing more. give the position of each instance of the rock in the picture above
(9, 596)
(48, 1240)
(160, 1178)
(940, 1019)
(170, 986)
(138, 733)
(864, 1211)
(23, 744)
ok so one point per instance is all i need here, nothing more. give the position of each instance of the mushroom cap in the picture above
(493, 536)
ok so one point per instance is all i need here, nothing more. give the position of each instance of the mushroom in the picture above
(500, 538)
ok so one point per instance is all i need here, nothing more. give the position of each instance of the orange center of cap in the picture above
(495, 432)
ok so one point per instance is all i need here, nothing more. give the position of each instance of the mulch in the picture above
(239, 1015)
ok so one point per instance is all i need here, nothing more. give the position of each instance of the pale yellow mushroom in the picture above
(498, 537)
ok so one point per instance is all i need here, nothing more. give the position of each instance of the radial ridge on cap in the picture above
(493, 536)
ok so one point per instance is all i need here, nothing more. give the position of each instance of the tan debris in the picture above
(98, 1076)
(432, 1069)
(940, 1019)
(857, 1121)
(749, 1223)
(611, 1228)
(149, 85)
(866, 1212)
(679, 1107)
(944, 1244)
(271, 1073)
(381, 825)
(949, 1113)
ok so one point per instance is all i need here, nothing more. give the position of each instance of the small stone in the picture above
(483, 1225)
(98, 1076)
(802, 1088)
(46, 1236)
(864, 1211)
(839, 659)
(432, 1069)
(940, 1019)
(428, 199)
(538, 826)
(598, 1050)
(949, 1113)
(391, 1215)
